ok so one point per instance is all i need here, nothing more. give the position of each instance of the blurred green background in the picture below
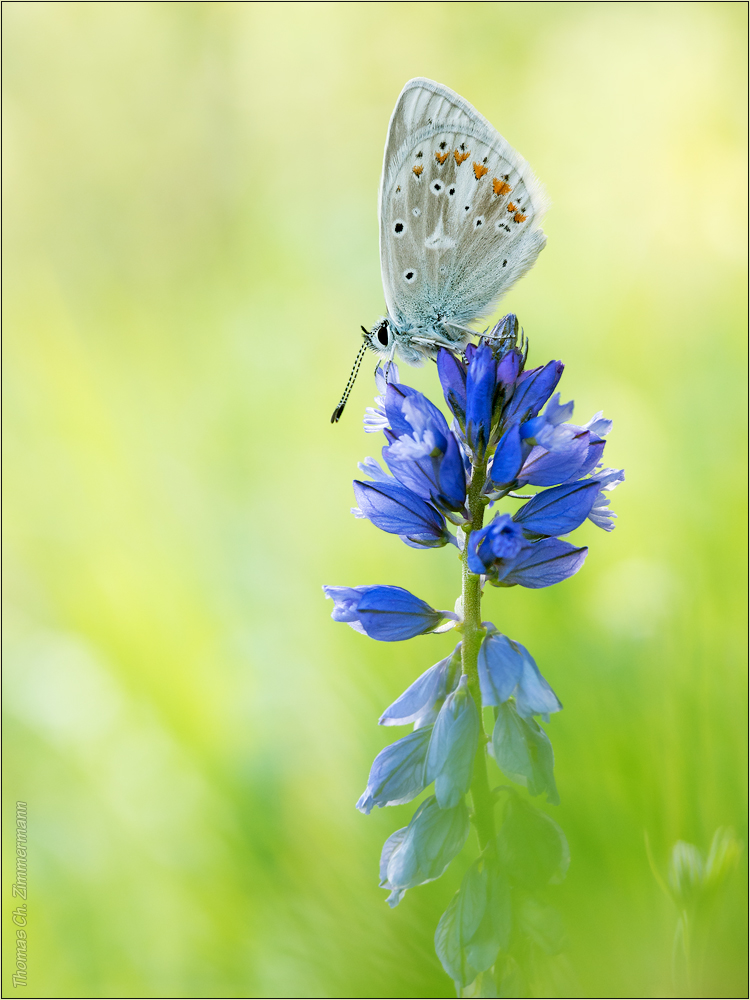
(190, 248)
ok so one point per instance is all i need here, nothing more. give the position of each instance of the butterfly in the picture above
(460, 213)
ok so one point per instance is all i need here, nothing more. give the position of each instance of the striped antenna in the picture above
(336, 415)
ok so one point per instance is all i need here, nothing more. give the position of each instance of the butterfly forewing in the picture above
(459, 212)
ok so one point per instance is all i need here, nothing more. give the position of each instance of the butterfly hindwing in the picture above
(459, 212)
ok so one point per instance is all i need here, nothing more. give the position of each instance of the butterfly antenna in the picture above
(336, 415)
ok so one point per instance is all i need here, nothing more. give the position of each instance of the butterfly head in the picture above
(385, 339)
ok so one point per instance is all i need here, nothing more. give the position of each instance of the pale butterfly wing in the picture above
(460, 212)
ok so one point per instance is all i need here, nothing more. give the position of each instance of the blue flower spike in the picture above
(511, 436)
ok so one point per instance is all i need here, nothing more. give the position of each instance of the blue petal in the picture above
(559, 510)
(371, 467)
(544, 564)
(395, 509)
(534, 696)
(508, 368)
(593, 457)
(450, 757)
(548, 468)
(532, 391)
(506, 669)
(440, 478)
(390, 847)
(481, 382)
(500, 666)
(423, 454)
(411, 413)
(473, 561)
(391, 614)
(556, 413)
(387, 376)
(345, 601)
(452, 375)
(397, 773)
(508, 457)
(419, 697)
(501, 539)
(422, 851)
(524, 753)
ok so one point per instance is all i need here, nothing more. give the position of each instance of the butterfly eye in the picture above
(382, 334)
(398, 227)
(410, 276)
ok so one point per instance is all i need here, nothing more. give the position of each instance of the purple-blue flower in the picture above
(398, 773)
(541, 564)
(558, 510)
(395, 509)
(417, 704)
(546, 450)
(496, 544)
(523, 752)
(608, 479)
(422, 452)
(453, 744)
(506, 670)
(500, 552)
(386, 613)
(452, 375)
(532, 391)
(421, 851)
(375, 419)
(481, 385)
(509, 456)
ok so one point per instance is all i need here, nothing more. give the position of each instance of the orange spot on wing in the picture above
(500, 187)
(418, 169)
(519, 218)
(441, 157)
(460, 157)
(479, 170)
(511, 207)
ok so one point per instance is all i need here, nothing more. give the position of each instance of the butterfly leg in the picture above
(430, 342)
(389, 362)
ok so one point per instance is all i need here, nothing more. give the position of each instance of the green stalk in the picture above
(484, 815)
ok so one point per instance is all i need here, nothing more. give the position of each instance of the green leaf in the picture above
(532, 848)
(524, 753)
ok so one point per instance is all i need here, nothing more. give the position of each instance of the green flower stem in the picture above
(484, 815)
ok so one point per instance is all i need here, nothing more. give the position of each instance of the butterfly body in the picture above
(460, 215)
